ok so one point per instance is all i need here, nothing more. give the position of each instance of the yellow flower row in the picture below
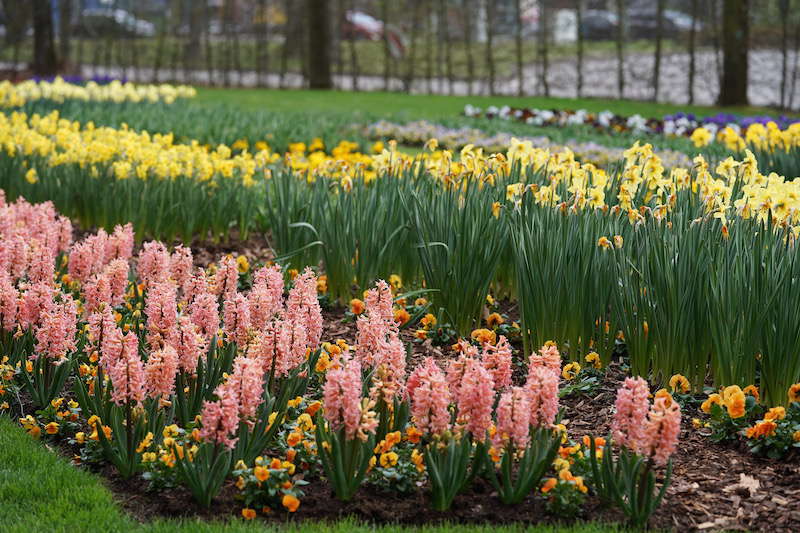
(768, 138)
(59, 90)
(642, 180)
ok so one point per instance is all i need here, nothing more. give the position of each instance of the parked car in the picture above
(598, 25)
(642, 23)
(97, 22)
(360, 25)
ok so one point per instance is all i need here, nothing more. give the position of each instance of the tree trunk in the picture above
(448, 58)
(339, 41)
(467, 7)
(354, 73)
(177, 18)
(387, 53)
(715, 28)
(65, 32)
(796, 65)
(318, 32)
(287, 31)
(579, 64)
(620, 48)
(544, 29)
(659, 39)
(412, 56)
(45, 62)
(209, 53)
(692, 67)
(429, 47)
(783, 6)
(489, 53)
(262, 55)
(518, 47)
(735, 42)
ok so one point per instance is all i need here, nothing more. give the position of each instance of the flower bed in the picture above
(732, 130)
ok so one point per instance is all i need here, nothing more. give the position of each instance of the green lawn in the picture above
(40, 491)
(431, 107)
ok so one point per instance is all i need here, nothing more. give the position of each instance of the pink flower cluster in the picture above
(542, 387)
(475, 399)
(55, 335)
(548, 357)
(221, 418)
(125, 368)
(471, 382)
(430, 397)
(341, 395)
(31, 236)
(630, 414)
(302, 306)
(651, 430)
(378, 343)
(513, 418)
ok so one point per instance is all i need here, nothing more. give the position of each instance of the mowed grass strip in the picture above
(40, 491)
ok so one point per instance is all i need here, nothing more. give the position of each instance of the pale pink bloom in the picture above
(160, 306)
(55, 336)
(154, 263)
(548, 357)
(497, 360)
(204, 312)
(181, 265)
(64, 234)
(376, 325)
(379, 302)
(265, 347)
(456, 367)
(127, 372)
(109, 338)
(662, 429)
(120, 243)
(342, 396)
(9, 302)
(196, 284)
(37, 299)
(189, 344)
(96, 293)
(220, 419)
(630, 415)
(226, 278)
(272, 277)
(100, 330)
(430, 398)
(88, 257)
(160, 372)
(247, 379)
(81, 262)
(42, 263)
(542, 388)
(266, 296)
(280, 347)
(18, 252)
(513, 419)
(392, 368)
(303, 306)
(117, 273)
(236, 319)
(475, 399)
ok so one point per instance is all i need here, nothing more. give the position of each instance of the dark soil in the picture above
(714, 487)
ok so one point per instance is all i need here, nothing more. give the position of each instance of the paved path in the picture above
(600, 79)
